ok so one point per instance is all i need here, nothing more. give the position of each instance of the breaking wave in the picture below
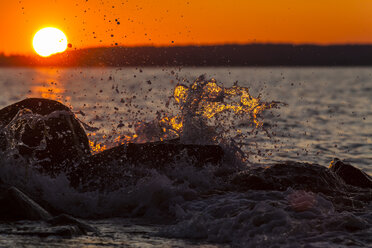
(203, 202)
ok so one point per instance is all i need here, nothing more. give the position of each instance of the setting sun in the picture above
(48, 41)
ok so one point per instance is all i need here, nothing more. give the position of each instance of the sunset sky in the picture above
(91, 23)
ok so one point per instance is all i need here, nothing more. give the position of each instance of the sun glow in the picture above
(48, 41)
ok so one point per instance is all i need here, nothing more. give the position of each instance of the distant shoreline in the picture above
(254, 55)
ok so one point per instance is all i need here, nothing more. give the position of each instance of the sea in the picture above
(316, 114)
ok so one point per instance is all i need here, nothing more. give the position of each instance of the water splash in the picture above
(25, 122)
(207, 112)
(205, 103)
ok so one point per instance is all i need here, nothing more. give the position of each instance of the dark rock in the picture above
(301, 176)
(65, 219)
(96, 172)
(45, 132)
(15, 205)
(306, 177)
(48, 136)
(162, 153)
(350, 174)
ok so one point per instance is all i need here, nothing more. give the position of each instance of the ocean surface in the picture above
(320, 114)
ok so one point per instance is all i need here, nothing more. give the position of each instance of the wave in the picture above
(230, 200)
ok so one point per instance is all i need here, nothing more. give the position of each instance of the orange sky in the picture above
(89, 23)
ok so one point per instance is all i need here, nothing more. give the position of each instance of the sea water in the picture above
(323, 113)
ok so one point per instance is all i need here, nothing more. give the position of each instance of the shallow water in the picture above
(325, 114)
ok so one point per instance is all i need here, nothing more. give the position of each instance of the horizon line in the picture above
(2, 53)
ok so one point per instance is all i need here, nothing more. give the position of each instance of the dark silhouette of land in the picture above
(221, 55)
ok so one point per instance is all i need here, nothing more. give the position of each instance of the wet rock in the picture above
(48, 136)
(350, 174)
(161, 154)
(105, 170)
(300, 176)
(65, 219)
(29, 218)
(15, 205)
(304, 177)
(45, 132)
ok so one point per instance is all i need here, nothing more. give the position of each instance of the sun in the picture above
(48, 41)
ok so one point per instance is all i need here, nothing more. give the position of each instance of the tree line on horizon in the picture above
(219, 55)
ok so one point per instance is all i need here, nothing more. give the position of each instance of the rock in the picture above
(350, 174)
(99, 173)
(45, 132)
(65, 219)
(304, 177)
(162, 153)
(299, 176)
(48, 136)
(15, 205)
